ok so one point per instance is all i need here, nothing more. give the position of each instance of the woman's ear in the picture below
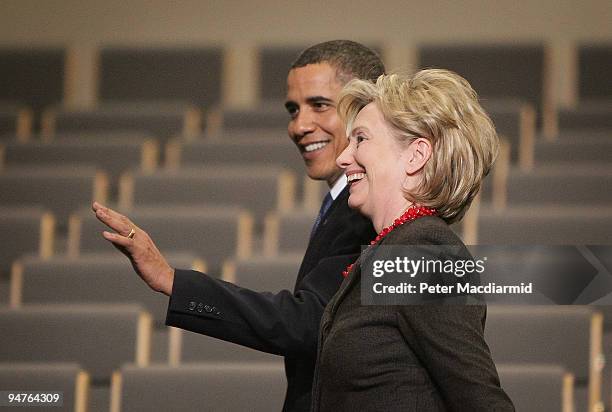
(417, 155)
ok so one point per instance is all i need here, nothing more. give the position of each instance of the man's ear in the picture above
(417, 155)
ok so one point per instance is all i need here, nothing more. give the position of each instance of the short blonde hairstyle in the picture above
(442, 107)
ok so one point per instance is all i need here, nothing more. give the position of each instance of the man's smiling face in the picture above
(315, 127)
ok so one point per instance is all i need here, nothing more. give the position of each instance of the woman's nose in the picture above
(346, 157)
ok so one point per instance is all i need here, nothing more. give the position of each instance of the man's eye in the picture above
(321, 105)
(293, 111)
(359, 139)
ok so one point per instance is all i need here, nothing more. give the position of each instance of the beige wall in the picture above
(241, 26)
(296, 22)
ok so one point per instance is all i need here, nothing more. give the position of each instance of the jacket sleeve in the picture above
(281, 323)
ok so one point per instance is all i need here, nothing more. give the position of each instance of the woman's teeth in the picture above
(354, 177)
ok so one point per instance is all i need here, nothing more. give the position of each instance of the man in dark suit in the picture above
(285, 323)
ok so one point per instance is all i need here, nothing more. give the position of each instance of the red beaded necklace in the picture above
(412, 213)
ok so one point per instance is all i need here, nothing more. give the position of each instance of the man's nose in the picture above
(304, 123)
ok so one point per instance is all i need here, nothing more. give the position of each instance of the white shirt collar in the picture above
(338, 186)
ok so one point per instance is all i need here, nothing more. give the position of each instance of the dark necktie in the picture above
(327, 201)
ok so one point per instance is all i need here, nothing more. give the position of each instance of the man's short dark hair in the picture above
(351, 59)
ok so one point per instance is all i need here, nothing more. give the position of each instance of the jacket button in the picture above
(192, 305)
(200, 308)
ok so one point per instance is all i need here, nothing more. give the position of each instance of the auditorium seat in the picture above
(274, 64)
(570, 336)
(587, 115)
(99, 337)
(314, 193)
(24, 230)
(187, 347)
(547, 225)
(63, 279)
(150, 74)
(240, 134)
(15, 122)
(113, 154)
(60, 189)
(257, 188)
(587, 149)
(515, 121)
(33, 76)
(560, 185)
(522, 76)
(602, 136)
(538, 387)
(268, 116)
(161, 120)
(214, 233)
(272, 150)
(264, 273)
(594, 65)
(256, 387)
(288, 232)
(69, 379)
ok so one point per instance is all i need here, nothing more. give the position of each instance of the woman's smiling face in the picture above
(374, 163)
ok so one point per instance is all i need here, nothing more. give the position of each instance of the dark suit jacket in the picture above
(284, 323)
(405, 358)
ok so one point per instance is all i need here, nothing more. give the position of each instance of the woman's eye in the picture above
(359, 139)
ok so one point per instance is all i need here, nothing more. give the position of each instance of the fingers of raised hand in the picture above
(116, 221)
(123, 242)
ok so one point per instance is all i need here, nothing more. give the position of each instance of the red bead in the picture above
(412, 213)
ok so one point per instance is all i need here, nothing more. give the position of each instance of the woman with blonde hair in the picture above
(418, 150)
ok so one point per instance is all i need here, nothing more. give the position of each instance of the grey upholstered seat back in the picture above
(98, 337)
(537, 387)
(69, 280)
(67, 378)
(256, 387)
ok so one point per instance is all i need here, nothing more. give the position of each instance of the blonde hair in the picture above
(442, 107)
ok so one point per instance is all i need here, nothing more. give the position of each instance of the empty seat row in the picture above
(570, 336)
(546, 344)
(161, 120)
(532, 387)
(67, 380)
(258, 188)
(37, 76)
(212, 386)
(99, 337)
(115, 154)
(288, 232)
(67, 188)
(15, 120)
(60, 279)
(150, 74)
(538, 387)
(60, 189)
(186, 388)
(24, 230)
(36, 281)
(214, 233)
